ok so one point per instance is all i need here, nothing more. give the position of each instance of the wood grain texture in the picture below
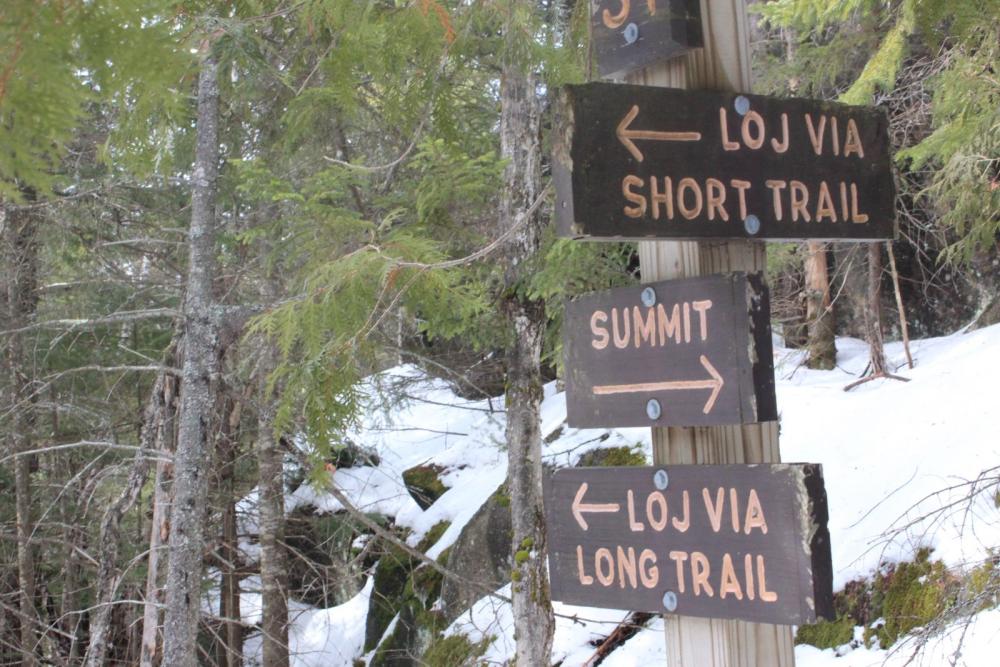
(723, 64)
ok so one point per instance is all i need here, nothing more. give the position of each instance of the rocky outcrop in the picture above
(424, 484)
(481, 556)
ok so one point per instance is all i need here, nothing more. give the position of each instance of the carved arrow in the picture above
(714, 383)
(579, 507)
(625, 135)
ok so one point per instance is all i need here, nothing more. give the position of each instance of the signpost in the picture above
(684, 352)
(743, 542)
(648, 163)
(637, 162)
(629, 34)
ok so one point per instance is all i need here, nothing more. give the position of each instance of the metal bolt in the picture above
(631, 33)
(670, 601)
(660, 479)
(751, 224)
(648, 297)
(653, 410)
(742, 105)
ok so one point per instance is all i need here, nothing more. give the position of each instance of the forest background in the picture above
(216, 219)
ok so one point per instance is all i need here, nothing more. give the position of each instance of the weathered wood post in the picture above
(723, 63)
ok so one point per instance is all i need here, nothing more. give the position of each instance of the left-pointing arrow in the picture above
(579, 507)
(625, 135)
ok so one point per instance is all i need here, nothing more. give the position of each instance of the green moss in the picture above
(826, 634)
(909, 596)
(433, 535)
(391, 579)
(515, 575)
(527, 543)
(424, 484)
(502, 496)
(454, 651)
(521, 556)
(613, 456)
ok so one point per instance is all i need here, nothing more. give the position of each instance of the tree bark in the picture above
(109, 542)
(18, 234)
(520, 115)
(231, 646)
(158, 529)
(819, 310)
(184, 569)
(273, 568)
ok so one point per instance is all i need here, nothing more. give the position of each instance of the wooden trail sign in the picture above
(744, 542)
(637, 162)
(626, 35)
(691, 352)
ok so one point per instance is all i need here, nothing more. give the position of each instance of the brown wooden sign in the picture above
(692, 352)
(720, 541)
(630, 34)
(636, 162)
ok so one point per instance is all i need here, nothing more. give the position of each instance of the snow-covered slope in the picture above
(896, 455)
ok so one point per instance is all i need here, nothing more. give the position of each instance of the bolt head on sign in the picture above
(627, 35)
(691, 352)
(638, 162)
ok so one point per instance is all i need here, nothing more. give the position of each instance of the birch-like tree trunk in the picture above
(273, 568)
(19, 254)
(520, 115)
(198, 379)
(158, 529)
(110, 536)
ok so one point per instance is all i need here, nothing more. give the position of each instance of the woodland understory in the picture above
(217, 219)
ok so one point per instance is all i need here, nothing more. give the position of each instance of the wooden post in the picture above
(723, 64)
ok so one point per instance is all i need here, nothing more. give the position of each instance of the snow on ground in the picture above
(888, 449)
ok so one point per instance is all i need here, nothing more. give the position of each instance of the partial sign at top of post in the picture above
(635, 162)
(627, 35)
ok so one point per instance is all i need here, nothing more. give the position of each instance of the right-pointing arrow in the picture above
(625, 135)
(714, 383)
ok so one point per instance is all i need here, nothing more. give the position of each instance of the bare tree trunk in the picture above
(519, 144)
(231, 646)
(819, 310)
(873, 312)
(110, 539)
(273, 566)
(184, 570)
(904, 328)
(18, 234)
(158, 530)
